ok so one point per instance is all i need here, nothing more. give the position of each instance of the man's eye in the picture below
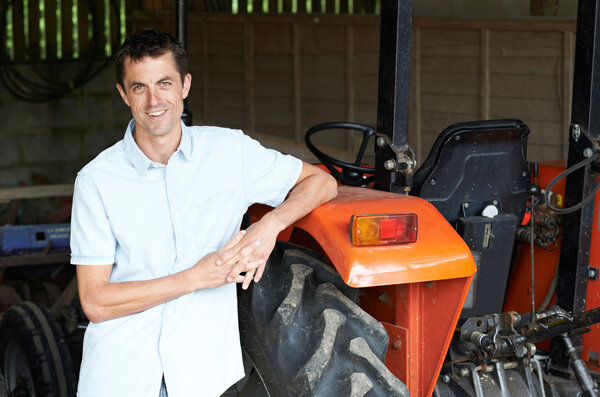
(137, 88)
(165, 84)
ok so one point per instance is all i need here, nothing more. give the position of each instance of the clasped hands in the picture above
(247, 251)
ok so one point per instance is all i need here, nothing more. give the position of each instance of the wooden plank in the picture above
(525, 109)
(349, 75)
(34, 49)
(275, 111)
(205, 76)
(82, 25)
(526, 87)
(451, 83)
(320, 38)
(297, 88)
(249, 77)
(452, 103)
(508, 24)
(485, 74)
(524, 66)
(20, 45)
(273, 63)
(34, 259)
(273, 38)
(66, 28)
(243, 6)
(323, 86)
(451, 43)
(329, 63)
(505, 43)
(30, 192)
(274, 84)
(366, 87)
(51, 28)
(227, 62)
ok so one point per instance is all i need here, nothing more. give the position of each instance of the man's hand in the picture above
(242, 256)
(251, 252)
(313, 188)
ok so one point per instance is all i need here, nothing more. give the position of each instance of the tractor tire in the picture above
(35, 357)
(304, 335)
(3, 389)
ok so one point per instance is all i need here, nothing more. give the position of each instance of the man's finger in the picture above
(226, 252)
(247, 279)
(243, 266)
(259, 272)
(230, 257)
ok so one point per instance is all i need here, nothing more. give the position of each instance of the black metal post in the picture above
(181, 34)
(394, 74)
(573, 271)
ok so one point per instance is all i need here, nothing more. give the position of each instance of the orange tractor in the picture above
(414, 280)
(407, 282)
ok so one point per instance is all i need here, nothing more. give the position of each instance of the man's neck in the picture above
(158, 148)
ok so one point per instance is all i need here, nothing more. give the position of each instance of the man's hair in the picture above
(150, 43)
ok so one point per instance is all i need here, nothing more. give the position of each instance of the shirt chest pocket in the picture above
(217, 218)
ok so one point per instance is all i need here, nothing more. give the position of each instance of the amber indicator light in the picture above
(383, 229)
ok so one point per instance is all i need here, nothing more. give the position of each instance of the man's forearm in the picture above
(309, 193)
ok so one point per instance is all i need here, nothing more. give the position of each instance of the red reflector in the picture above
(387, 229)
(383, 229)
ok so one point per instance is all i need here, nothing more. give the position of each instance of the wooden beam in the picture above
(485, 74)
(30, 192)
(249, 76)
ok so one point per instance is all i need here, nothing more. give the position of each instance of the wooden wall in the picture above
(280, 74)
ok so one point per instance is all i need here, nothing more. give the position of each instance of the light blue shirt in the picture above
(151, 220)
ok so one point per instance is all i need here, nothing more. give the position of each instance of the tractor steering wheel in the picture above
(352, 173)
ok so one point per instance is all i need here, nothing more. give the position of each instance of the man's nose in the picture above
(153, 97)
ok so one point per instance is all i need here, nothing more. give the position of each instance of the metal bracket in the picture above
(405, 157)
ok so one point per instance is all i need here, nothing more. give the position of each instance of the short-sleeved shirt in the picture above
(151, 220)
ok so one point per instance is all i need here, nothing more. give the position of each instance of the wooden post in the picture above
(350, 94)
(249, 75)
(485, 74)
(297, 94)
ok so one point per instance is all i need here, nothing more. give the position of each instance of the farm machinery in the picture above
(416, 280)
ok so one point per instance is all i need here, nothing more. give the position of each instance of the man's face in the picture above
(154, 92)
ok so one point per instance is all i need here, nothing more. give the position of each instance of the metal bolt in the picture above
(384, 298)
(466, 205)
(495, 202)
(389, 165)
(464, 372)
(592, 273)
(380, 141)
(524, 174)
(446, 378)
(397, 344)
(576, 131)
(429, 284)
(587, 152)
(433, 181)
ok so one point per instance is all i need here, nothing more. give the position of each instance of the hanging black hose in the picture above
(563, 174)
(45, 89)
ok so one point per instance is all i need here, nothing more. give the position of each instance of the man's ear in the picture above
(122, 92)
(187, 84)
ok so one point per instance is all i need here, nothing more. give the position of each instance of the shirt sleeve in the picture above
(268, 174)
(92, 239)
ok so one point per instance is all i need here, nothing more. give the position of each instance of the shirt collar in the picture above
(139, 159)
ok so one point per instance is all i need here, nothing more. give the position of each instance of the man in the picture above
(154, 235)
